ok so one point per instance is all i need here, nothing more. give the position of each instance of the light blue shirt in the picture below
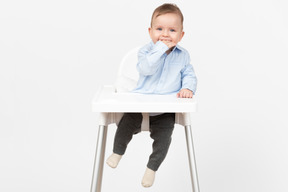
(160, 73)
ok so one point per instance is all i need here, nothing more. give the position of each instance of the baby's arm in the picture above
(189, 80)
(149, 58)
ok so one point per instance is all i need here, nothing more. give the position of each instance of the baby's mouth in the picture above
(165, 40)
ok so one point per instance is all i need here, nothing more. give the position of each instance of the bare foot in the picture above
(148, 178)
(113, 160)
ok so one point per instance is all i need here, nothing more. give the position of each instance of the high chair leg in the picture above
(192, 160)
(99, 159)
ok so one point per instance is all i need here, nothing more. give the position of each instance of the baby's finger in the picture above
(182, 94)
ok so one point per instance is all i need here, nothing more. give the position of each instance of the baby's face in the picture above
(166, 27)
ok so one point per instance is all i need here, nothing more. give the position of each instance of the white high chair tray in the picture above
(106, 100)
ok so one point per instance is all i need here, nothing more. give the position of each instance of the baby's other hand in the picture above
(185, 93)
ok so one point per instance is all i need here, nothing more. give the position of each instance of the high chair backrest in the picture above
(127, 76)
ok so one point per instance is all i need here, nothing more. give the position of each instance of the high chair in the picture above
(112, 101)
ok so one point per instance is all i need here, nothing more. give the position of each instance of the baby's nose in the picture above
(165, 32)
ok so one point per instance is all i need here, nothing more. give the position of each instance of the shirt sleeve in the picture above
(189, 79)
(149, 58)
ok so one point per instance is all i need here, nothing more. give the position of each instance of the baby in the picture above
(164, 68)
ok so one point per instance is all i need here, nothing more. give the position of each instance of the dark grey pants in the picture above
(161, 128)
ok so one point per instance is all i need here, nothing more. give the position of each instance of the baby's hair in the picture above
(167, 8)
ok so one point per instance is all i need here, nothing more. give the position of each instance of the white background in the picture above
(54, 54)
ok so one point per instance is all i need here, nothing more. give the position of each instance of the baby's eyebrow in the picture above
(160, 26)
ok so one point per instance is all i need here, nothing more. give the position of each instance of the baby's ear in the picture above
(149, 31)
(182, 34)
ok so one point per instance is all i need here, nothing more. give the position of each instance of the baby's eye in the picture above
(159, 29)
(172, 30)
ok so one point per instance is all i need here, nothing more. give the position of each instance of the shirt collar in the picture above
(178, 47)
